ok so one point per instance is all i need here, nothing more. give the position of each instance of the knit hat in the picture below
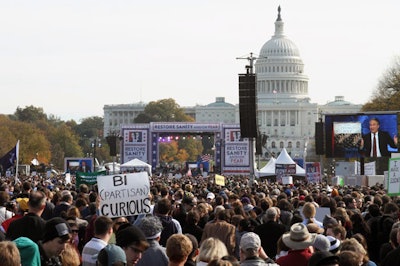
(111, 254)
(129, 235)
(151, 226)
(321, 243)
(250, 241)
(56, 227)
(322, 258)
(334, 244)
(329, 220)
(28, 251)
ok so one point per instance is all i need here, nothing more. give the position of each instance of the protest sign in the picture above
(124, 195)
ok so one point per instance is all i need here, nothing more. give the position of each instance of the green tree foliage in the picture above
(166, 110)
(193, 147)
(30, 114)
(386, 97)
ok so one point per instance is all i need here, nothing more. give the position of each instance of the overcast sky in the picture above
(73, 57)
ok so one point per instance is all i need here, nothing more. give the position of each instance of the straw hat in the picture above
(298, 237)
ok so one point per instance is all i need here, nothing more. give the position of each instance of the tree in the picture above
(386, 97)
(30, 114)
(166, 110)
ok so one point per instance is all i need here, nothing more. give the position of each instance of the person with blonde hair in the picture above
(351, 244)
(211, 248)
(309, 211)
(9, 254)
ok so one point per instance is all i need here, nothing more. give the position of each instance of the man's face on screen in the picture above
(373, 126)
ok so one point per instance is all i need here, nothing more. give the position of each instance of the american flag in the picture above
(205, 157)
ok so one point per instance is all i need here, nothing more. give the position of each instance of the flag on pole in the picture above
(10, 158)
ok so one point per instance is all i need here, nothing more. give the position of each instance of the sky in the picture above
(73, 57)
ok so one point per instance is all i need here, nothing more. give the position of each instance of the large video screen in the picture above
(361, 135)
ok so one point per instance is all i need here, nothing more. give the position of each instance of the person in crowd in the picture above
(373, 223)
(211, 248)
(191, 260)
(70, 255)
(270, 231)
(309, 211)
(31, 225)
(132, 240)
(298, 240)
(321, 243)
(334, 244)
(60, 210)
(178, 249)
(393, 257)
(29, 251)
(170, 225)
(385, 224)
(350, 258)
(102, 234)
(391, 245)
(4, 213)
(56, 236)
(9, 254)
(111, 255)
(117, 222)
(191, 226)
(155, 254)
(337, 231)
(323, 258)
(353, 245)
(222, 230)
(251, 251)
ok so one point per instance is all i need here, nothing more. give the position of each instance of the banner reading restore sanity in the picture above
(124, 195)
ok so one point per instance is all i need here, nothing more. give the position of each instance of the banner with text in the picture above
(124, 195)
(135, 144)
(87, 178)
(236, 149)
(313, 172)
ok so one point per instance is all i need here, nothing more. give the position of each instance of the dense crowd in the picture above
(194, 221)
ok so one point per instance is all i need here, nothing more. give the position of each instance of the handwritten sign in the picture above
(220, 180)
(124, 195)
(393, 180)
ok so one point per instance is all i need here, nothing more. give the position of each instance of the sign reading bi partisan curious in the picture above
(124, 195)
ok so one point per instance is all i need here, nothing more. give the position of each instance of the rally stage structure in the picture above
(233, 155)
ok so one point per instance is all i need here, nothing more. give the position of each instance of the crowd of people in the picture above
(197, 222)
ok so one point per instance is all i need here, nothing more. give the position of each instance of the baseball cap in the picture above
(250, 241)
(56, 227)
(110, 254)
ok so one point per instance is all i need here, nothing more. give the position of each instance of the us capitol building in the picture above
(285, 112)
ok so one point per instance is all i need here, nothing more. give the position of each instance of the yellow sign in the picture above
(220, 180)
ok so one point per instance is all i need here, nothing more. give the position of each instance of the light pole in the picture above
(96, 143)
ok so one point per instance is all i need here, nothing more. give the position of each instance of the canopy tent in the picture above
(268, 169)
(283, 158)
(137, 165)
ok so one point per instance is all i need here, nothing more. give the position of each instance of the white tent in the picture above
(136, 164)
(283, 158)
(268, 169)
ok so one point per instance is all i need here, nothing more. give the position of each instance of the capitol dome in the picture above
(280, 69)
(279, 45)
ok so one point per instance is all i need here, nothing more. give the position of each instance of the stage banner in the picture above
(313, 172)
